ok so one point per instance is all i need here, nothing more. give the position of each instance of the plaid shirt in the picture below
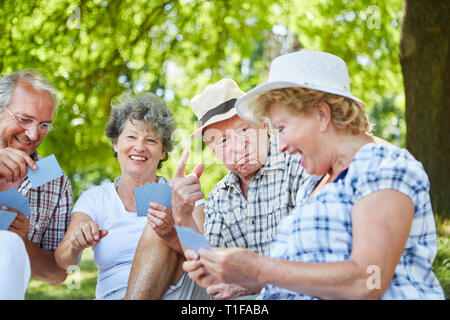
(51, 209)
(233, 221)
(320, 229)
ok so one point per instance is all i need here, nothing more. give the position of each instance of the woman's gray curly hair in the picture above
(147, 108)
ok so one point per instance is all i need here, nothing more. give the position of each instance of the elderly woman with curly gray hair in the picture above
(364, 228)
(104, 217)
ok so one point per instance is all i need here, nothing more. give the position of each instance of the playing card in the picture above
(192, 239)
(6, 218)
(47, 169)
(152, 192)
(163, 195)
(139, 198)
(15, 200)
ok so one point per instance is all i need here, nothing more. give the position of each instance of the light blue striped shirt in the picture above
(320, 229)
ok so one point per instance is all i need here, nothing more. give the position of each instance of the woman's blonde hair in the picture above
(346, 114)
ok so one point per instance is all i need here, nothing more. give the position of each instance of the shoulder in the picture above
(97, 192)
(385, 166)
(221, 185)
(373, 157)
(95, 198)
(219, 191)
(62, 183)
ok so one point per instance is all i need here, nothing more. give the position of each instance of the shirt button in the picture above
(251, 222)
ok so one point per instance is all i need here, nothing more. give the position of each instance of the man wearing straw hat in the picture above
(245, 207)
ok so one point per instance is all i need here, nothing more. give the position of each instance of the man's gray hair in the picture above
(147, 108)
(37, 80)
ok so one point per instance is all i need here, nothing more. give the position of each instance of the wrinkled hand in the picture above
(161, 220)
(186, 190)
(13, 164)
(231, 265)
(196, 271)
(20, 225)
(224, 291)
(86, 235)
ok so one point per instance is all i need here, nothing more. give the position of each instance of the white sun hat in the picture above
(215, 103)
(314, 70)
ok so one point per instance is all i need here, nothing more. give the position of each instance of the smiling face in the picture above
(26, 102)
(241, 145)
(139, 150)
(303, 133)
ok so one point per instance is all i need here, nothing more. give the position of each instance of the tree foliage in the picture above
(93, 51)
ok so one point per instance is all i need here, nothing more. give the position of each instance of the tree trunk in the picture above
(424, 56)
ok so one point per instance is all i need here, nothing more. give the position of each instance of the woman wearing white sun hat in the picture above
(365, 228)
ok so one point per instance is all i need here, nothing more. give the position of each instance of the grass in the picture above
(81, 286)
(441, 265)
(78, 285)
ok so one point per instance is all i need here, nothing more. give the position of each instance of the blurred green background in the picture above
(92, 51)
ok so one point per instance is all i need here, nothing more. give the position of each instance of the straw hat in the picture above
(215, 103)
(314, 70)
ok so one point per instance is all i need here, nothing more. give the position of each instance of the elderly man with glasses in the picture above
(27, 106)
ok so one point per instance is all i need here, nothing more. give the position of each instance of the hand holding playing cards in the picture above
(186, 190)
(86, 234)
(161, 220)
(20, 225)
(13, 164)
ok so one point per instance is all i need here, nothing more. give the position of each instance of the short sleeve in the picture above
(88, 203)
(387, 167)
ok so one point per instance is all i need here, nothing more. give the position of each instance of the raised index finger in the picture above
(180, 171)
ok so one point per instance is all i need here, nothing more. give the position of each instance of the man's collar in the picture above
(275, 159)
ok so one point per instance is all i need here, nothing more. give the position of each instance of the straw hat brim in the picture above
(217, 118)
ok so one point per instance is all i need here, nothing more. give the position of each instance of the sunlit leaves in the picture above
(94, 50)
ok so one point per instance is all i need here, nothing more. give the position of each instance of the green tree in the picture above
(94, 50)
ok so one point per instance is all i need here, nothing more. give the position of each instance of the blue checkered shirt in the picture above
(233, 221)
(320, 229)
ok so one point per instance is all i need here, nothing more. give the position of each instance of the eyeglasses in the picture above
(28, 123)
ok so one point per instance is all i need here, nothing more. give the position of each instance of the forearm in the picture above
(44, 266)
(198, 216)
(187, 222)
(66, 255)
(193, 220)
(333, 280)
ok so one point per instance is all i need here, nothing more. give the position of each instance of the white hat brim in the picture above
(250, 97)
